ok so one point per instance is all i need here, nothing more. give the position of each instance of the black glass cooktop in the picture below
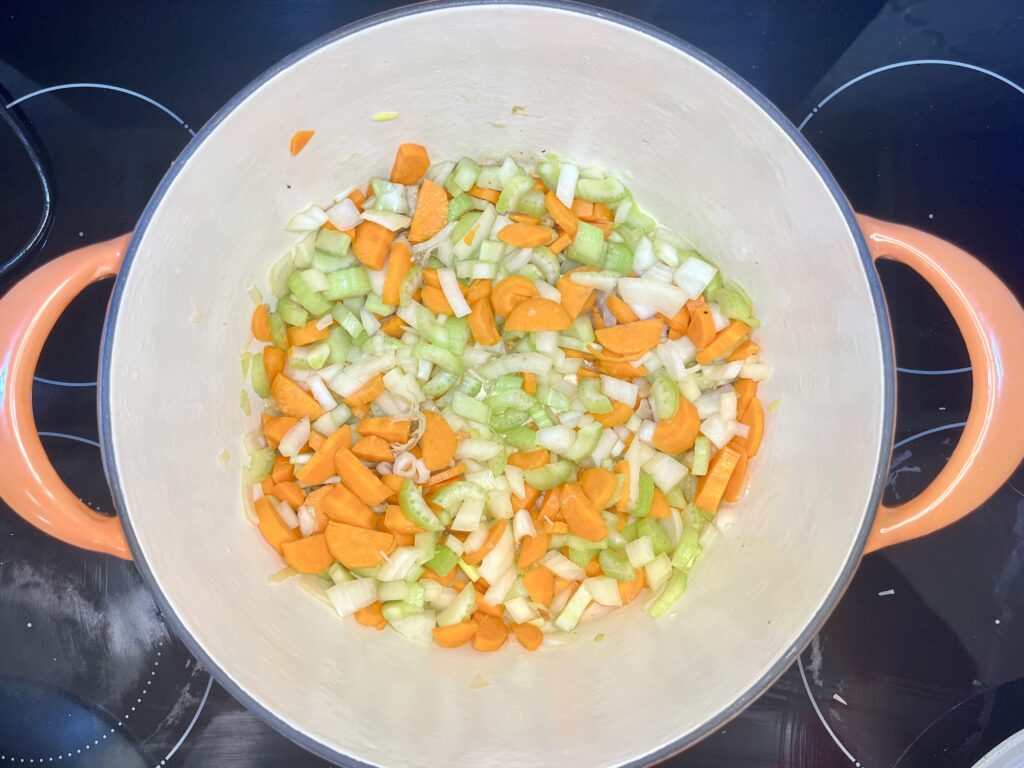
(918, 109)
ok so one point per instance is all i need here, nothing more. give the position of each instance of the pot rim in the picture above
(783, 663)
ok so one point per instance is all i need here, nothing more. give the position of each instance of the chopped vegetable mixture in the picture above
(497, 400)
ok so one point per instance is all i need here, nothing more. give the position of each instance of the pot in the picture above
(708, 155)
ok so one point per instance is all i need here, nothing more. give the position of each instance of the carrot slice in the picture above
(367, 393)
(431, 213)
(629, 339)
(537, 314)
(373, 448)
(394, 482)
(490, 635)
(528, 636)
(753, 417)
(435, 300)
(260, 323)
(283, 469)
(599, 485)
(580, 513)
(621, 311)
(734, 488)
(530, 459)
(628, 590)
(711, 487)
(743, 351)
(385, 427)
(293, 400)
(343, 506)
(273, 528)
(701, 330)
(533, 549)
(493, 537)
(455, 635)
(396, 521)
(273, 362)
(562, 242)
(371, 616)
(619, 414)
(563, 216)
(363, 482)
(411, 162)
(358, 547)
(289, 492)
(306, 334)
(371, 243)
(539, 583)
(510, 292)
(316, 440)
(574, 295)
(321, 465)
(527, 502)
(478, 289)
(438, 442)
(677, 434)
(481, 323)
(308, 555)
(444, 477)
(524, 235)
(490, 195)
(299, 141)
(483, 608)
(399, 262)
(746, 389)
(530, 383)
(659, 507)
(724, 340)
(276, 427)
(583, 209)
(393, 326)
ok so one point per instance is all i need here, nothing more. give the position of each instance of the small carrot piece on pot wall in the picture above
(438, 442)
(399, 262)
(507, 293)
(411, 162)
(431, 213)
(308, 555)
(372, 616)
(276, 427)
(363, 482)
(490, 635)
(273, 528)
(283, 469)
(724, 340)
(753, 417)
(746, 389)
(290, 493)
(293, 400)
(539, 583)
(299, 141)
(630, 339)
(537, 314)
(273, 362)
(371, 243)
(743, 351)
(677, 434)
(528, 636)
(711, 487)
(734, 488)
(260, 323)
(455, 635)
(358, 547)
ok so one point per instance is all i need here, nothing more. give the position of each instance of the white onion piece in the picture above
(604, 446)
(452, 292)
(428, 245)
(708, 404)
(621, 391)
(295, 438)
(640, 552)
(755, 371)
(522, 525)
(643, 255)
(320, 393)
(562, 567)
(468, 518)
(646, 431)
(694, 276)
(545, 342)
(651, 295)
(516, 481)
(565, 190)
(721, 321)
(499, 589)
(307, 520)
(604, 590)
(397, 565)
(727, 404)
(622, 211)
(500, 559)
(287, 514)
(674, 354)
(405, 465)
(377, 277)
(547, 291)
(718, 431)
(518, 260)
(388, 220)
(666, 472)
(324, 322)
(519, 609)
(344, 214)
(350, 596)
(308, 220)
(558, 439)
(477, 450)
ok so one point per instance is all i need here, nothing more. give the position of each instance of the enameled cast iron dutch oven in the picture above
(712, 158)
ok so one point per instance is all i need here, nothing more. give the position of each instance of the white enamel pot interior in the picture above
(707, 156)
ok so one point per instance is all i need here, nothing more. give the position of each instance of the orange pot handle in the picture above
(28, 481)
(991, 321)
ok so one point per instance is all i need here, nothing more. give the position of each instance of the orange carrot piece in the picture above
(357, 547)
(260, 323)
(357, 197)
(743, 351)
(273, 362)
(602, 212)
(490, 195)
(435, 300)
(343, 506)
(316, 440)
(363, 482)
(599, 485)
(734, 488)
(481, 323)
(574, 295)
(478, 289)
(299, 141)
(620, 369)
(490, 635)
(267, 484)
(539, 584)
(385, 427)
(593, 568)
(290, 493)
(394, 482)
(677, 434)
(583, 209)
(507, 293)
(399, 262)
(530, 383)
(523, 235)
(273, 528)
(537, 314)
(724, 340)
(371, 243)
(746, 389)
(411, 162)
(711, 487)
(393, 326)
(396, 521)
(275, 427)
(561, 242)
(306, 334)
(619, 414)
(680, 321)
(293, 400)
(373, 448)
(283, 469)
(493, 537)
(367, 393)
(308, 555)
(580, 513)
(484, 608)
(551, 507)
(522, 218)
(634, 338)
(530, 459)
(621, 311)
(564, 217)
(431, 213)
(753, 417)
(628, 590)
(431, 278)
(701, 330)
(455, 635)
(438, 442)
(321, 465)
(659, 507)
(371, 616)
(528, 636)
(533, 549)
(443, 477)
(444, 581)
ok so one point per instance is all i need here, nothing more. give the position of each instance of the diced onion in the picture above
(522, 525)
(716, 430)
(397, 565)
(287, 514)
(720, 320)
(666, 472)
(655, 296)
(622, 391)
(499, 589)
(295, 438)
(344, 215)
(452, 292)
(307, 520)
(562, 566)
(727, 403)
(320, 393)
(477, 450)
(643, 255)
(640, 552)
(387, 219)
(694, 276)
(565, 190)
(308, 220)
(558, 439)
(350, 596)
(604, 590)
(436, 240)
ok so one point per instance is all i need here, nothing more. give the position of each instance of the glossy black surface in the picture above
(926, 671)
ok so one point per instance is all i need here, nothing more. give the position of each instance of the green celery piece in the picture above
(670, 593)
(258, 375)
(656, 531)
(291, 313)
(415, 507)
(608, 190)
(547, 477)
(616, 565)
(687, 550)
(443, 561)
(312, 301)
(588, 245)
(645, 496)
(331, 242)
(459, 205)
(347, 283)
(664, 395)
(454, 494)
(522, 438)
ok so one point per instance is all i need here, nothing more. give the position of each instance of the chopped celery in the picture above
(532, 204)
(395, 611)
(440, 384)
(540, 416)
(689, 486)
(629, 532)
(509, 419)
(531, 272)
(443, 561)
(583, 328)
(676, 498)
(672, 591)
(429, 329)
(619, 259)
(546, 262)
(439, 356)
(609, 190)
(577, 542)
(309, 356)
(630, 235)
(701, 455)
(687, 550)
(515, 189)
(311, 300)
(733, 301)
(375, 304)
(645, 496)
(552, 398)
(659, 537)
(664, 395)
(328, 263)
(347, 283)
(339, 574)
(616, 565)
(490, 178)
(523, 438)
(389, 196)
(278, 329)
(462, 177)
(507, 381)
(454, 494)
(258, 375)
(292, 313)
(469, 408)
(416, 508)
(339, 343)
(410, 283)
(548, 171)
(260, 465)
(461, 607)
(458, 333)
(547, 477)
(595, 401)
(471, 385)
(332, 243)
(492, 251)
(586, 441)
(459, 205)
(573, 610)
(497, 464)
(466, 223)
(582, 557)
(637, 219)
(587, 246)
(510, 398)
